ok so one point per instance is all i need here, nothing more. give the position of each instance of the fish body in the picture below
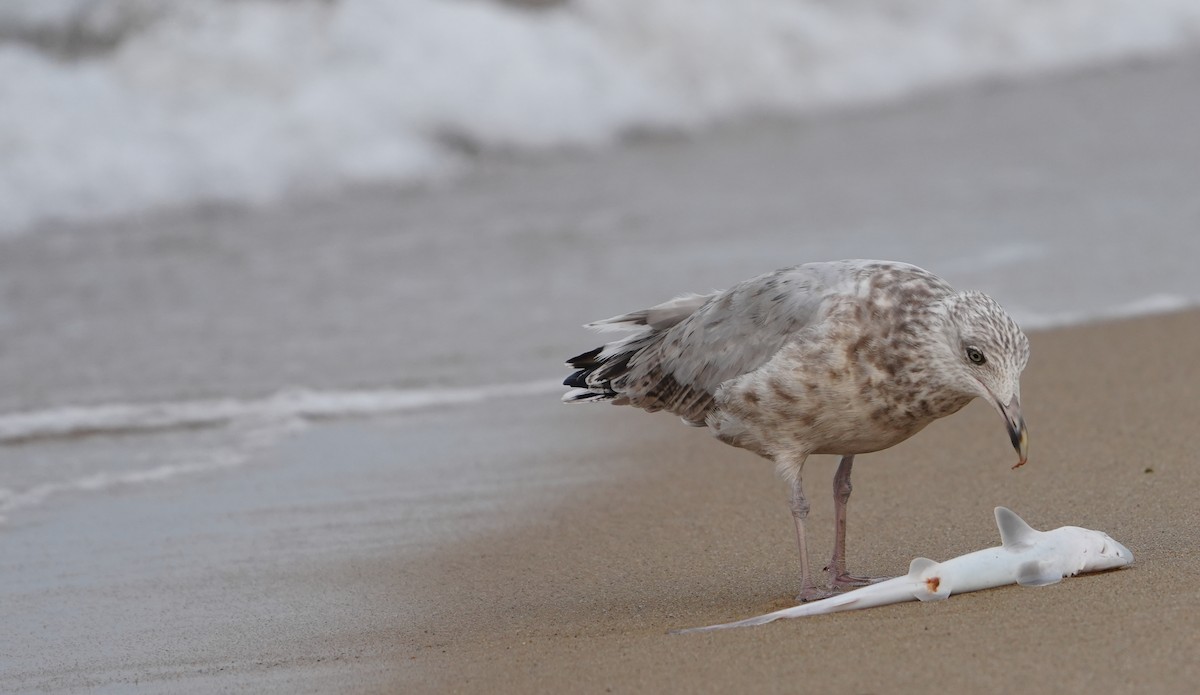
(1026, 557)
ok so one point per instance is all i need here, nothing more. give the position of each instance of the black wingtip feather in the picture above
(577, 380)
(587, 359)
(589, 397)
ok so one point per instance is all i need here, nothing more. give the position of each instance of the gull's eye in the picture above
(975, 355)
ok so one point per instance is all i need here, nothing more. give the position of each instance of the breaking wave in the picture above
(112, 107)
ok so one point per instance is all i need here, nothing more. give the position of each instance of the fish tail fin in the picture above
(827, 605)
(748, 622)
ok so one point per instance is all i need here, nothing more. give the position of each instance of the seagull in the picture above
(841, 357)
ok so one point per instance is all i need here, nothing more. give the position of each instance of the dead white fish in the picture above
(1026, 556)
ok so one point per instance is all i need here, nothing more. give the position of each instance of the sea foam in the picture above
(119, 106)
(284, 406)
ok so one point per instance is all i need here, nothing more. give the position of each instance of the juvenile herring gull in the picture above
(845, 357)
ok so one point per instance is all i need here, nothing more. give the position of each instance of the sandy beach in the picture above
(519, 545)
(688, 533)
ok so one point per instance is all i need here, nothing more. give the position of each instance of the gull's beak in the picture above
(1017, 433)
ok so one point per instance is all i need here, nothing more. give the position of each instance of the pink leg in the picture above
(799, 503)
(839, 578)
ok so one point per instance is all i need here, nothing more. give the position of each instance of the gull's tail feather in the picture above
(586, 385)
(585, 363)
(659, 317)
(584, 396)
(598, 368)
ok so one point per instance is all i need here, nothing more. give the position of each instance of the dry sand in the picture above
(688, 532)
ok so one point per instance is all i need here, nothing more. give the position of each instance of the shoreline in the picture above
(564, 554)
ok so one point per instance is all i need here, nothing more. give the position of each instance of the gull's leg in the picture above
(838, 577)
(799, 503)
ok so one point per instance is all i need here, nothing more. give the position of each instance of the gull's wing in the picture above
(688, 347)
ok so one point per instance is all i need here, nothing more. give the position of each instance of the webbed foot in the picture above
(814, 593)
(846, 581)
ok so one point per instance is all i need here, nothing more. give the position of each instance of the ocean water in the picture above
(144, 352)
(113, 107)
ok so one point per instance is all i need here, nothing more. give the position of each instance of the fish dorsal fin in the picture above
(1014, 532)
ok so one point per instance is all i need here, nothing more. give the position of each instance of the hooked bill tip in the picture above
(1019, 437)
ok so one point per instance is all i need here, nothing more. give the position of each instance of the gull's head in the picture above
(989, 351)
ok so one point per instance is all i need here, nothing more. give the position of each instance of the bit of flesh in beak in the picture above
(1017, 432)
